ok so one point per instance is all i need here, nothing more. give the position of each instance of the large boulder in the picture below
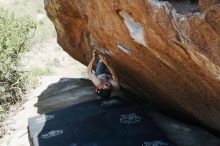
(169, 50)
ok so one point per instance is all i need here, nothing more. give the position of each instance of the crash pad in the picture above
(102, 122)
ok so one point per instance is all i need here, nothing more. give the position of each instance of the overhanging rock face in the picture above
(170, 50)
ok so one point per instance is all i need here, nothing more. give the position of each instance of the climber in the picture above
(104, 78)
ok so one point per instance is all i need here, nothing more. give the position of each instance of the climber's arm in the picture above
(91, 73)
(115, 82)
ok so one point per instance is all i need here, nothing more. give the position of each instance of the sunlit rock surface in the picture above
(169, 50)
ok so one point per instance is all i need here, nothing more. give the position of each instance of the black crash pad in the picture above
(111, 122)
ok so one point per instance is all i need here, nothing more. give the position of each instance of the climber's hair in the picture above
(104, 93)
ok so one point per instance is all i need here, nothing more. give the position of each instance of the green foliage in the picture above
(14, 35)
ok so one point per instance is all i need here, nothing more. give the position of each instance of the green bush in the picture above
(14, 35)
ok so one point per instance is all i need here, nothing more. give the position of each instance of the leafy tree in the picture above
(14, 35)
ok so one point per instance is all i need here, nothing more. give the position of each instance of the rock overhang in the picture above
(155, 48)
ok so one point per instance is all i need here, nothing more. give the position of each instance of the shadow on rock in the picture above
(64, 93)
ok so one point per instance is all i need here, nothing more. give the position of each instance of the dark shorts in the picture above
(101, 69)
